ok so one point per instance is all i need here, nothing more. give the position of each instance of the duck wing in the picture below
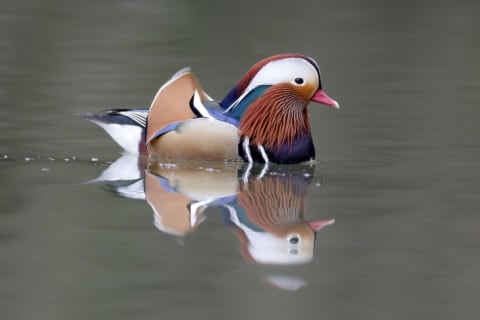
(172, 102)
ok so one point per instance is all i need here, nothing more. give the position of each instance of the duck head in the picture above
(270, 102)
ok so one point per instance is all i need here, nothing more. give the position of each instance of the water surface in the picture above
(397, 164)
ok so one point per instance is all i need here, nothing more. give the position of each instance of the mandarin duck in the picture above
(262, 119)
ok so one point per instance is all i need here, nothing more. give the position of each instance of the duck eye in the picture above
(298, 80)
(294, 240)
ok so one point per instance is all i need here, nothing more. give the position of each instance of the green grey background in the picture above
(399, 162)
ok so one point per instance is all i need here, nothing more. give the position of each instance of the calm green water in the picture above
(398, 164)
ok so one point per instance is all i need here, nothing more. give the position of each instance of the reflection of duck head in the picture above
(269, 219)
(295, 246)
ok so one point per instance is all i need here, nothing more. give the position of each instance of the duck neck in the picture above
(276, 118)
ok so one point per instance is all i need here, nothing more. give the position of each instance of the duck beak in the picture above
(318, 225)
(321, 97)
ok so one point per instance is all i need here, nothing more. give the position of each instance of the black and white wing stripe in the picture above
(136, 117)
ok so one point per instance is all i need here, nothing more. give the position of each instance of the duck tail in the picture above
(126, 126)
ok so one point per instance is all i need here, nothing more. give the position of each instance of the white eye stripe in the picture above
(285, 70)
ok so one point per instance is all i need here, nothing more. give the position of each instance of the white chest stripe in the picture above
(246, 149)
(264, 153)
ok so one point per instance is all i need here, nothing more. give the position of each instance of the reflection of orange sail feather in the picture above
(170, 209)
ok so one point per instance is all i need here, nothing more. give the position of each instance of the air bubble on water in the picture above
(45, 169)
(167, 165)
(318, 184)
(51, 159)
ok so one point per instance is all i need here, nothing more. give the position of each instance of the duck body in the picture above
(199, 138)
(262, 119)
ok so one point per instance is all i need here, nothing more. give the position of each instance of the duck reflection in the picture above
(267, 217)
(125, 176)
(263, 207)
(265, 211)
